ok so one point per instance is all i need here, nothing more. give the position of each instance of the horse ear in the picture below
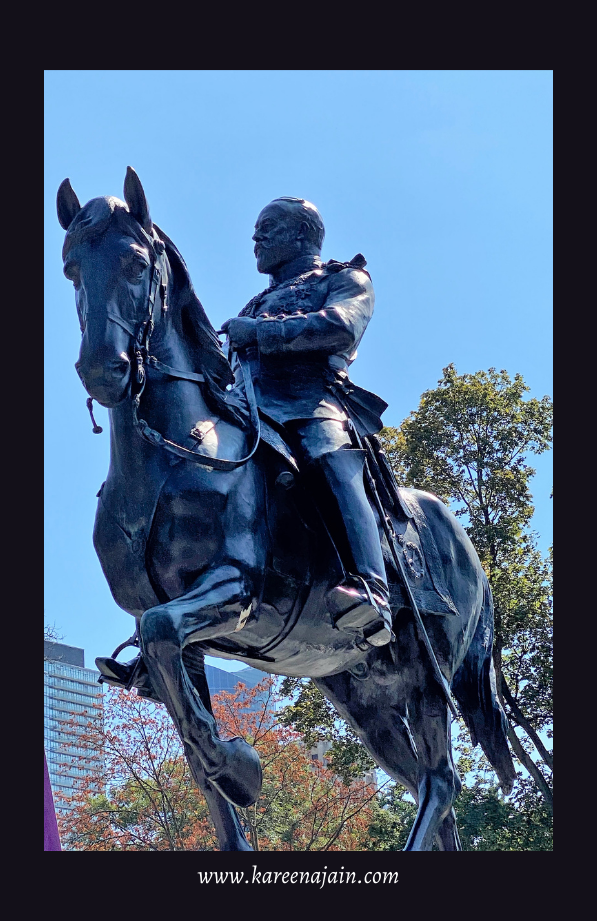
(67, 204)
(134, 196)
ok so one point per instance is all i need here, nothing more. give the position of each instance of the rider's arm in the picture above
(335, 329)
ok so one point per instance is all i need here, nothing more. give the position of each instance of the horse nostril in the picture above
(121, 364)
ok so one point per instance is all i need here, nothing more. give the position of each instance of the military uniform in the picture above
(308, 330)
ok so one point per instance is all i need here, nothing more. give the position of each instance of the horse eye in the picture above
(134, 267)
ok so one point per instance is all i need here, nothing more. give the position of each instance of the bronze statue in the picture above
(227, 523)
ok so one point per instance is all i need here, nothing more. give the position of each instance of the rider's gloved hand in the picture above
(241, 332)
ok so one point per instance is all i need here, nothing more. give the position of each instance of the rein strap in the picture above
(141, 334)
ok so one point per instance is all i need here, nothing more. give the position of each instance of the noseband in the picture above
(141, 334)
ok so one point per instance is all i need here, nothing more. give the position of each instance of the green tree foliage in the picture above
(486, 822)
(393, 818)
(313, 716)
(468, 443)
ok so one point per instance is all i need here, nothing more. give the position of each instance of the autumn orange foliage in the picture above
(147, 799)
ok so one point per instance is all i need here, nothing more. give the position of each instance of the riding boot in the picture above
(359, 604)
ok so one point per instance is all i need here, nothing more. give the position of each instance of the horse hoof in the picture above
(240, 846)
(240, 779)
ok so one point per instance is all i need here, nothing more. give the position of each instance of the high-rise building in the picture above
(219, 680)
(72, 697)
(73, 694)
(319, 752)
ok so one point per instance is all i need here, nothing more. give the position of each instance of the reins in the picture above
(141, 334)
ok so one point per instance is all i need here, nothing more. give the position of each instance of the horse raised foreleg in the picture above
(226, 822)
(232, 767)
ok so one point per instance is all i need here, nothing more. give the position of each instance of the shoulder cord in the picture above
(331, 267)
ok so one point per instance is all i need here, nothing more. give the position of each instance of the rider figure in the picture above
(300, 335)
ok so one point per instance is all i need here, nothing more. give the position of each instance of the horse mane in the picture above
(184, 299)
(214, 364)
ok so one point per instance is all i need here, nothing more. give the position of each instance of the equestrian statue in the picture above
(250, 513)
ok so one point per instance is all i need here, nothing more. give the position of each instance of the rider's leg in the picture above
(335, 469)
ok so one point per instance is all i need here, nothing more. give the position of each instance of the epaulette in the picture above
(357, 262)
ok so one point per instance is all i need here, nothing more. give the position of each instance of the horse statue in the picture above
(209, 537)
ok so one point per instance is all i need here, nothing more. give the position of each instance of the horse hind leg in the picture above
(374, 713)
(447, 837)
(439, 783)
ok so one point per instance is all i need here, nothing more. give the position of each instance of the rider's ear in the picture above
(67, 204)
(134, 196)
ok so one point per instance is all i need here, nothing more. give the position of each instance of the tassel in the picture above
(97, 429)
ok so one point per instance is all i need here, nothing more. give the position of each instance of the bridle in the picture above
(141, 333)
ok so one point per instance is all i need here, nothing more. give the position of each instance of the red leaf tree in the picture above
(144, 798)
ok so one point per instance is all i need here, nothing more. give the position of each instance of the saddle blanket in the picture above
(421, 562)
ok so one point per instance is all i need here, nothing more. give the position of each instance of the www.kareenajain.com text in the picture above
(315, 877)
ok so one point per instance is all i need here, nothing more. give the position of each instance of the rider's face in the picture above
(278, 238)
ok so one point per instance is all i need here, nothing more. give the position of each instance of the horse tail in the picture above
(474, 687)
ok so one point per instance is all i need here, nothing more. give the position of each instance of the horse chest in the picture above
(123, 522)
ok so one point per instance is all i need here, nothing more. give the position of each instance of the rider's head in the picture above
(286, 229)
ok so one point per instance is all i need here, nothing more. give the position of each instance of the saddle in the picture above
(414, 538)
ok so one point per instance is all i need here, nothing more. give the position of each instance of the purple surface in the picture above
(51, 837)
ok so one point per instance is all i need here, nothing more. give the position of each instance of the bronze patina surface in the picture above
(249, 513)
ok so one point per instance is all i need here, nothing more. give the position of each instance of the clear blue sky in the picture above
(443, 179)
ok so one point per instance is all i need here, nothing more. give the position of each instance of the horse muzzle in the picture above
(107, 381)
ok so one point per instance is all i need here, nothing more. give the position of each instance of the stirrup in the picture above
(118, 674)
(127, 675)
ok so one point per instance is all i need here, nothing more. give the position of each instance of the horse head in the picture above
(126, 272)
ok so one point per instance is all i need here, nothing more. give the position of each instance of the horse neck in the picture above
(167, 342)
(169, 405)
(130, 455)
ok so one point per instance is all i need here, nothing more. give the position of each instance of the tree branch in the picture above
(531, 767)
(523, 722)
